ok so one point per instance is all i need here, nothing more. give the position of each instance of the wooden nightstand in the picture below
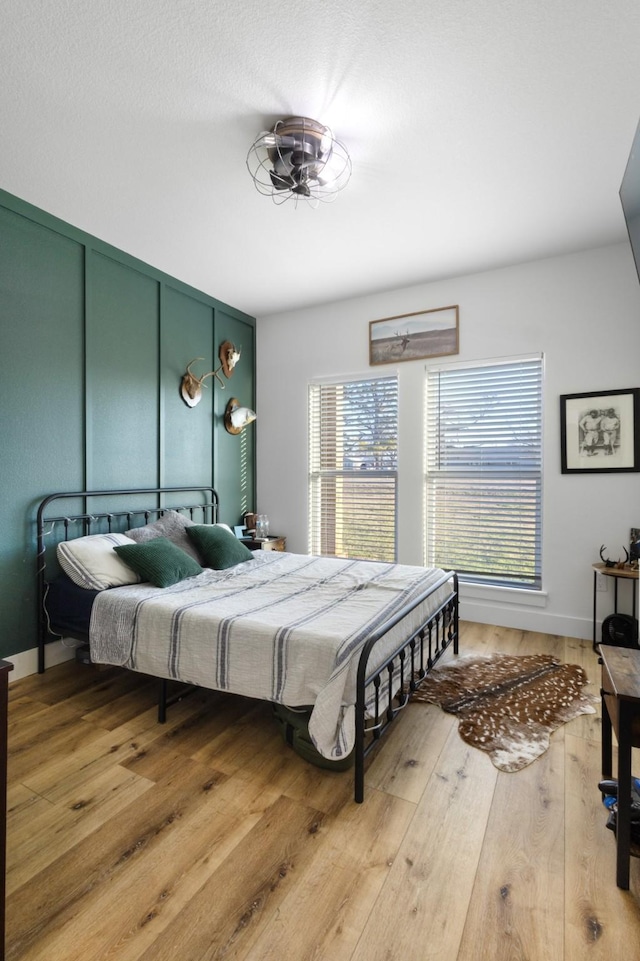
(268, 544)
(617, 573)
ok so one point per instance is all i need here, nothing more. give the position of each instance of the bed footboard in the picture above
(378, 700)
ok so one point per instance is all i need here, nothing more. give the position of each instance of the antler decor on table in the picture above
(609, 563)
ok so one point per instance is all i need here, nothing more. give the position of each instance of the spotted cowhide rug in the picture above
(508, 705)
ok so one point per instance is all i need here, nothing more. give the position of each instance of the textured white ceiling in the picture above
(481, 134)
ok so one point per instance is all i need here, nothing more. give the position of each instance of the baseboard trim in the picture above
(26, 662)
(523, 619)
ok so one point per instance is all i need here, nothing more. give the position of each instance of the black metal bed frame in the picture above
(382, 692)
(409, 664)
(109, 521)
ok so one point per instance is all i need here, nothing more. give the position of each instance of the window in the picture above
(353, 460)
(484, 471)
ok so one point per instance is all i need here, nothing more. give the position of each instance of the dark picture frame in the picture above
(634, 546)
(425, 333)
(599, 431)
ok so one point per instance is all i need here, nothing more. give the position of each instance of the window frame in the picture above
(510, 488)
(326, 532)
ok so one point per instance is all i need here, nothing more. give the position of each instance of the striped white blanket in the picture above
(280, 627)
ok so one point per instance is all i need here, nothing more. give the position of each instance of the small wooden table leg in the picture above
(607, 763)
(595, 607)
(623, 816)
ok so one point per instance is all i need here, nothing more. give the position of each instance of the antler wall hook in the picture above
(191, 386)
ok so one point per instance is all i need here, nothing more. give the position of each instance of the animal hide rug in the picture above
(509, 705)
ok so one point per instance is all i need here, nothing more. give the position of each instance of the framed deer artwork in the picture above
(425, 333)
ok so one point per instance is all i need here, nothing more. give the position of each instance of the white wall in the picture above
(581, 310)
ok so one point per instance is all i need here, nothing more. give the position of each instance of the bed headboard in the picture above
(107, 511)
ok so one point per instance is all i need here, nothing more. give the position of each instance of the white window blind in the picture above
(484, 471)
(353, 458)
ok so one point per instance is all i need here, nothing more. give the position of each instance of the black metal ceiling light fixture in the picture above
(299, 159)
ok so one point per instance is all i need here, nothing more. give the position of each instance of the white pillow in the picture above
(91, 561)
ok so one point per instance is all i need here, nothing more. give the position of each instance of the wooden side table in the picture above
(618, 574)
(267, 544)
(621, 712)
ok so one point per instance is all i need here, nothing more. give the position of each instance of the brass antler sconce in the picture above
(236, 417)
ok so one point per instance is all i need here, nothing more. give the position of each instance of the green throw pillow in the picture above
(217, 546)
(159, 561)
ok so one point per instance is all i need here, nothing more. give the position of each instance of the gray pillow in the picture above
(171, 525)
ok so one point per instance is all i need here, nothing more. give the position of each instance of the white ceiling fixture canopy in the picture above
(299, 159)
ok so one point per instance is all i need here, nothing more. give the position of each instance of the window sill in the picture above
(503, 595)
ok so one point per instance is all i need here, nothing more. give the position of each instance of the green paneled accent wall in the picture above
(41, 391)
(234, 457)
(94, 344)
(187, 432)
(122, 375)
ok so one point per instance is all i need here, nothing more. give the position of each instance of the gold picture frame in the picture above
(424, 333)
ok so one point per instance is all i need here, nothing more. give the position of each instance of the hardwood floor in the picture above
(207, 838)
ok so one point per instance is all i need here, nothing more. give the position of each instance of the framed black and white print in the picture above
(599, 431)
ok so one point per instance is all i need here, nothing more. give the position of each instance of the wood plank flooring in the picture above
(207, 838)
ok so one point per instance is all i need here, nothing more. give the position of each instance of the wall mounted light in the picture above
(236, 417)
